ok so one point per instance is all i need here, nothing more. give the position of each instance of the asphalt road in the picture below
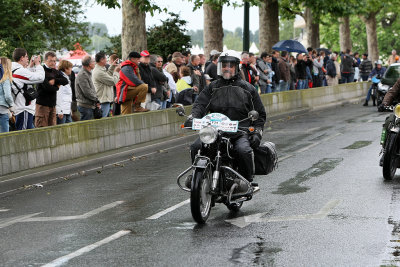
(326, 205)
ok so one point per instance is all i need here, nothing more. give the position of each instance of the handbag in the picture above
(97, 113)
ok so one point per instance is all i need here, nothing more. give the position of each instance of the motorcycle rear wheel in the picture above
(200, 197)
(390, 160)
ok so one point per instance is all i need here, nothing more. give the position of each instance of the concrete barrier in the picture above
(33, 148)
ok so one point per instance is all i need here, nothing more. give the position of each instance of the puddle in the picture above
(257, 253)
(292, 186)
(358, 144)
(350, 121)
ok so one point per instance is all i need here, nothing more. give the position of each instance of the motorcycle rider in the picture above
(233, 97)
(378, 70)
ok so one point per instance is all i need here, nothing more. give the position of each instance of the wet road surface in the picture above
(326, 205)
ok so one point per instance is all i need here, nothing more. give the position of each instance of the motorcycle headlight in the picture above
(208, 135)
(397, 111)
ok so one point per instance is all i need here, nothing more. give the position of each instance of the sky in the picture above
(231, 18)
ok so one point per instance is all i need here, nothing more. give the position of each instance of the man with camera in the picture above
(25, 74)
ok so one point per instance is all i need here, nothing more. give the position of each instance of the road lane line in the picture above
(162, 213)
(3, 210)
(62, 260)
(75, 217)
(13, 220)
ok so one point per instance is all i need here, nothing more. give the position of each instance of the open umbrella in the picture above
(290, 46)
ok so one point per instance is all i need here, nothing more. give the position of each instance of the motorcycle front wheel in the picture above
(390, 159)
(200, 197)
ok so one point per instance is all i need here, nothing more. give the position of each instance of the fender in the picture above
(201, 162)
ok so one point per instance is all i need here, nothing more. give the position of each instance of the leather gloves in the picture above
(255, 140)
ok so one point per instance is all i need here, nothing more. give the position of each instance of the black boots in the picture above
(365, 103)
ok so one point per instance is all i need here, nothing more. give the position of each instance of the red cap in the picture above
(145, 53)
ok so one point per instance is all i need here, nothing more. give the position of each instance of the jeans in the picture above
(105, 109)
(263, 89)
(4, 125)
(364, 77)
(163, 104)
(302, 84)
(283, 86)
(86, 113)
(346, 77)
(66, 119)
(24, 120)
(369, 94)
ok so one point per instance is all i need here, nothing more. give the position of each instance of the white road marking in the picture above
(3, 210)
(162, 213)
(62, 260)
(31, 218)
(259, 217)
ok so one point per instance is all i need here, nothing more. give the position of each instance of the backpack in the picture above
(29, 93)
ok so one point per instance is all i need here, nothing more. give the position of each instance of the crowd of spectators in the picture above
(33, 94)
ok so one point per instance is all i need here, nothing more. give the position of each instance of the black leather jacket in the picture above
(233, 98)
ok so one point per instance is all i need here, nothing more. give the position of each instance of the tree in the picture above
(41, 25)
(115, 46)
(169, 37)
(269, 24)
(133, 37)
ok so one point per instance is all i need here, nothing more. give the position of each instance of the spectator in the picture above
(23, 79)
(248, 73)
(365, 67)
(275, 69)
(46, 114)
(348, 64)
(173, 67)
(195, 73)
(130, 89)
(172, 88)
(185, 81)
(264, 70)
(146, 75)
(162, 93)
(186, 57)
(202, 62)
(85, 92)
(6, 99)
(292, 63)
(393, 58)
(116, 107)
(332, 75)
(301, 72)
(284, 72)
(64, 94)
(104, 81)
(211, 59)
(211, 69)
(318, 63)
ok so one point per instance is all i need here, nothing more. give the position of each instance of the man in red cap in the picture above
(146, 74)
(129, 87)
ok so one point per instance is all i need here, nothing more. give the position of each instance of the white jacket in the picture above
(23, 76)
(64, 98)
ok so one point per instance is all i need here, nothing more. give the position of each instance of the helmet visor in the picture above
(227, 69)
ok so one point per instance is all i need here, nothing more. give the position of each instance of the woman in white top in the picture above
(64, 94)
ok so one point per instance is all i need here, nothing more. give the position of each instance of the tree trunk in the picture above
(213, 32)
(344, 34)
(312, 29)
(269, 24)
(133, 37)
(372, 39)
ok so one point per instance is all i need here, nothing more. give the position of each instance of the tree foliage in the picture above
(39, 25)
(169, 37)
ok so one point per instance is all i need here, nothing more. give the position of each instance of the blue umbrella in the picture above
(290, 46)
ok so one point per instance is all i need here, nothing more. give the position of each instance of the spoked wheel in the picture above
(200, 197)
(390, 160)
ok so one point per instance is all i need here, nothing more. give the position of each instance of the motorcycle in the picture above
(374, 88)
(390, 144)
(214, 177)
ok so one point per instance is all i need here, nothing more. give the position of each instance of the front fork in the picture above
(216, 173)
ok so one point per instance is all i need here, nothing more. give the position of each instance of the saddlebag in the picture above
(265, 158)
